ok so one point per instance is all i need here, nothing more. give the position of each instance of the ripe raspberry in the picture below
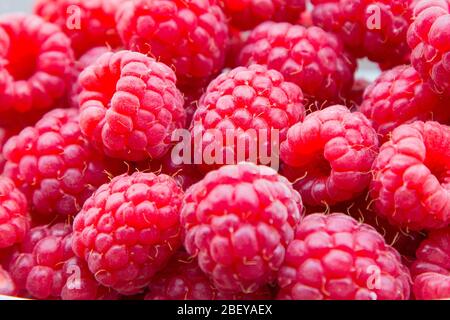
(14, 217)
(190, 35)
(334, 257)
(130, 105)
(432, 267)
(35, 64)
(87, 23)
(7, 286)
(411, 185)
(331, 154)
(399, 96)
(429, 40)
(373, 28)
(182, 279)
(249, 103)
(248, 14)
(128, 230)
(239, 220)
(54, 166)
(309, 57)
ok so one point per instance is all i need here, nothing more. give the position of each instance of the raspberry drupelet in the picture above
(334, 257)
(128, 230)
(238, 221)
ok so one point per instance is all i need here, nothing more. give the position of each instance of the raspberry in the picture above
(334, 257)
(88, 23)
(429, 41)
(129, 229)
(130, 105)
(238, 221)
(310, 57)
(369, 28)
(399, 96)
(35, 64)
(182, 279)
(242, 100)
(190, 35)
(432, 267)
(7, 286)
(248, 14)
(330, 154)
(54, 166)
(411, 185)
(14, 217)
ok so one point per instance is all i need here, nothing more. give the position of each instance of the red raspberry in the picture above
(242, 100)
(373, 28)
(239, 220)
(310, 57)
(88, 23)
(128, 230)
(130, 105)
(334, 257)
(331, 155)
(429, 40)
(190, 35)
(432, 267)
(399, 96)
(35, 64)
(54, 166)
(182, 279)
(14, 217)
(411, 186)
(7, 286)
(248, 14)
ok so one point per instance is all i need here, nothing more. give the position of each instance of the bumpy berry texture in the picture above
(431, 270)
(333, 257)
(128, 230)
(309, 57)
(429, 40)
(253, 104)
(329, 155)
(130, 105)
(238, 221)
(7, 286)
(35, 64)
(198, 29)
(54, 166)
(411, 185)
(400, 96)
(248, 14)
(369, 28)
(183, 279)
(88, 23)
(14, 217)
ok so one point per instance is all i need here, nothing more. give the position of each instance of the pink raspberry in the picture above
(182, 279)
(369, 28)
(54, 166)
(399, 96)
(330, 155)
(88, 23)
(428, 38)
(310, 57)
(411, 185)
(431, 270)
(35, 64)
(238, 221)
(248, 14)
(129, 105)
(189, 35)
(334, 257)
(251, 103)
(128, 230)
(14, 217)
(7, 286)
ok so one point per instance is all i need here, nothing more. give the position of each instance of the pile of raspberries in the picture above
(97, 202)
